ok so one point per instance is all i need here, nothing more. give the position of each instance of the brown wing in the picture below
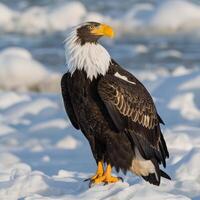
(132, 111)
(67, 101)
(130, 100)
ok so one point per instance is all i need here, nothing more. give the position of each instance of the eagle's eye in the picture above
(90, 27)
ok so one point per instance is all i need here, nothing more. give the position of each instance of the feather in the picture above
(67, 102)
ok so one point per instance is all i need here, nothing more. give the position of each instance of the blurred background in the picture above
(156, 35)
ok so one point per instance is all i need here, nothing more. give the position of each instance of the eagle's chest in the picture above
(85, 98)
(83, 89)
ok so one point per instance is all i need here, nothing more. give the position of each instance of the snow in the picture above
(44, 157)
(11, 98)
(169, 53)
(185, 104)
(63, 17)
(143, 18)
(68, 143)
(181, 70)
(140, 49)
(7, 17)
(163, 19)
(35, 20)
(18, 65)
(192, 84)
(165, 16)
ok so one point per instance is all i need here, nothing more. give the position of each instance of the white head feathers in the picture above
(91, 57)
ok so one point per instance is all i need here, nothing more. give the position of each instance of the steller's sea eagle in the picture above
(113, 109)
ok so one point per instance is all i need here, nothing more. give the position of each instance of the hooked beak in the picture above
(103, 30)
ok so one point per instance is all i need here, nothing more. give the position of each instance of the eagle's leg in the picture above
(99, 172)
(107, 177)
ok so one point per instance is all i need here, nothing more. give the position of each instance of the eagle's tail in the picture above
(155, 178)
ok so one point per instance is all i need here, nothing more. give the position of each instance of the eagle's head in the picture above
(83, 52)
(92, 31)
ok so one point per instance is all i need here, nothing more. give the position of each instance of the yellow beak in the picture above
(103, 30)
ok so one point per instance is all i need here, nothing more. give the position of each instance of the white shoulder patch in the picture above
(123, 77)
(142, 167)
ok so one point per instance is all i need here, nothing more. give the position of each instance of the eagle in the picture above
(112, 108)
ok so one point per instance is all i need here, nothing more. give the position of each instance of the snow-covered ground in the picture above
(44, 157)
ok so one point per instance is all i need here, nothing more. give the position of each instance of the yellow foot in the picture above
(112, 179)
(96, 176)
(99, 172)
(106, 178)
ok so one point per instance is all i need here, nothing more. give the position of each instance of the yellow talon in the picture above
(99, 172)
(106, 177)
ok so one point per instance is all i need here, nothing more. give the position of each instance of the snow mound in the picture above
(5, 130)
(184, 171)
(8, 160)
(68, 143)
(169, 54)
(55, 123)
(35, 20)
(191, 84)
(31, 184)
(31, 108)
(166, 18)
(180, 71)
(7, 18)
(140, 49)
(163, 19)
(11, 98)
(185, 103)
(63, 17)
(38, 19)
(19, 71)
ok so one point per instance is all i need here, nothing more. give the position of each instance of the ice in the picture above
(8, 160)
(33, 21)
(11, 98)
(58, 123)
(140, 49)
(7, 17)
(32, 108)
(184, 171)
(36, 20)
(169, 53)
(63, 16)
(166, 19)
(163, 19)
(6, 130)
(194, 83)
(68, 143)
(18, 65)
(186, 105)
(180, 71)
(150, 75)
